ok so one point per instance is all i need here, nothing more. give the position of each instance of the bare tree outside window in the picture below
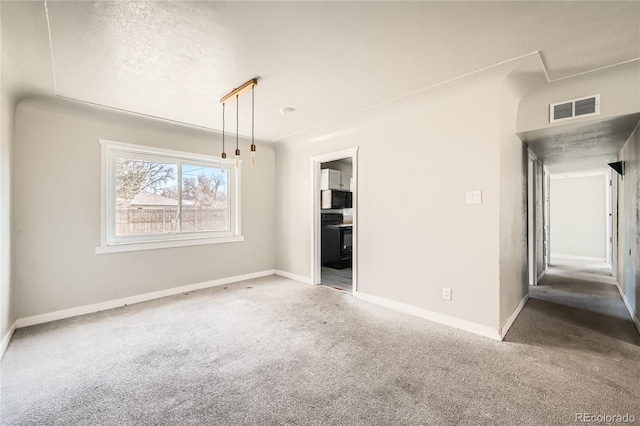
(135, 176)
(147, 198)
(205, 188)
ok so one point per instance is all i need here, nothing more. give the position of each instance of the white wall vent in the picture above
(575, 108)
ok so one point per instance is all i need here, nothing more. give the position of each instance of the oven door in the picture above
(346, 241)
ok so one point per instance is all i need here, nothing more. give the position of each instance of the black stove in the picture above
(336, 241)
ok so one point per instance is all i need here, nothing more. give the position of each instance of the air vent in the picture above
(575, 108)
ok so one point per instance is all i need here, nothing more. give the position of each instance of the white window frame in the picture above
(110, 243)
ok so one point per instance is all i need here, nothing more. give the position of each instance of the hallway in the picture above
(581, 299)
(576, 322)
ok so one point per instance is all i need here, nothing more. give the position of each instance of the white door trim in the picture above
(614, 226)
(608, 218)
(532, 234)
(316, 262)
(546, 216)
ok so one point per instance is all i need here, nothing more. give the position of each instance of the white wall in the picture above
(418, 157)
(617, 86)
(25, 69)
(6, 134)
(513, 204)
(578, 217)
(56, 202)
(629, 222)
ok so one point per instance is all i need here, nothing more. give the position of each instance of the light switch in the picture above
(474, 197)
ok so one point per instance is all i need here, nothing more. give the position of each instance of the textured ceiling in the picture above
(325, 59)
(582, 145)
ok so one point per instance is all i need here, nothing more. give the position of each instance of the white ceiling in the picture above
(325, 59)
(581, 146)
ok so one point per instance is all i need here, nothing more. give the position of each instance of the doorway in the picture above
(334, 209)
(536, 239)
(580, 212)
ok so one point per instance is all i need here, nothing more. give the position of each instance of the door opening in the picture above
(334, 209)
(580, 211)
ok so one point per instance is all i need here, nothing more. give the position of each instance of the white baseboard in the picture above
(514, 315)
(294, 277)
(96, 307)
(572, 257)
(541, 276)
(6, 339)
(634, 315)
(461, 324)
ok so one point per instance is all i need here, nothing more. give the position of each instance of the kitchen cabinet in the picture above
(334, 179)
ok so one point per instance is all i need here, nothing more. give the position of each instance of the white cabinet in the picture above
(332, 179)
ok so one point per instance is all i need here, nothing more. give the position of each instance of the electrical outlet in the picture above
(474, 197)
(446, 293)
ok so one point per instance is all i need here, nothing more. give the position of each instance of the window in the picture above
(156, 198)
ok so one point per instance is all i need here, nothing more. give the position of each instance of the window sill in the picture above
(165, 244)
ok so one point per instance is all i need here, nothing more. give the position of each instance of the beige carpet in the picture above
(272, 351)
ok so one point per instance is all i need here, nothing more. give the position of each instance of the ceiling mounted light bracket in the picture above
(244, 88)
(241, 90)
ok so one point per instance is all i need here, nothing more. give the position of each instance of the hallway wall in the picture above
(514, 285)
(629, 222)
(578, 217)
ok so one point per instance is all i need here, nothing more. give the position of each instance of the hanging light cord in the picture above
(249, 85)
(237, 121)
(223, 127)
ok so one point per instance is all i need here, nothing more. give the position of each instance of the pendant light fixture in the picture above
(251, 84)
(253, 114)
(237, 128)
(224, 154)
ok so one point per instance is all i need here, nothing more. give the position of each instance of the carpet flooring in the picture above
(271, 351)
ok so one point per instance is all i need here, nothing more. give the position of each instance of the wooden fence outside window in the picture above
(165, 220)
